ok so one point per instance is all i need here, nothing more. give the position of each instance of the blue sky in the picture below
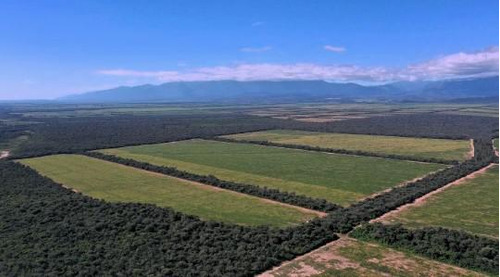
(54, 48)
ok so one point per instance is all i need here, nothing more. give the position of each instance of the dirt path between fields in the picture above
(420, 201)
(213, 188)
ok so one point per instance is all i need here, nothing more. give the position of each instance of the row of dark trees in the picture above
(259, 191)
(338, 151)
(450, 246)
(69, 135)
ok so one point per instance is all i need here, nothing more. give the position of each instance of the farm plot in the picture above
(118, 183)
(350, 257)
(341, 179)
(470, 206)
(413, 147)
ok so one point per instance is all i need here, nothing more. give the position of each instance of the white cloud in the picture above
(336, 49)
(477, 64)
(256, 49)
(257, 23)
(460, 65)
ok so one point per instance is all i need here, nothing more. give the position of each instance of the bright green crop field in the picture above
(342, 179)
(471, 206)
(118, 183)
(414, 147)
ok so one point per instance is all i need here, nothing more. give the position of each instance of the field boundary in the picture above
(306, 202)
(422, 200)
(209, 187)
(337, 151)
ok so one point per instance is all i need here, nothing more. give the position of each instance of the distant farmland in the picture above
(413, 147)
(118, 183)
(471, 206)
(341, 179)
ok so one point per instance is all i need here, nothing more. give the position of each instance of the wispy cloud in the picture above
(336, 49)
(256, 49)
(460, 65)
(258, 23)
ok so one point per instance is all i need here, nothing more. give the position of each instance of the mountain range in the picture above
(293, 91)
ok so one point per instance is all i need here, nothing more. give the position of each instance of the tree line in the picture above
(259, 191)
(70, 135)
(450, 246)
(338, 151)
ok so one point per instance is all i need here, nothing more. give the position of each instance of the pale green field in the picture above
(471, 206)
(118, 183)
(340, 179)
(414, 147)
(348, 257)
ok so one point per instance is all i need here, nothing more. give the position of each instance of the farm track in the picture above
(418, 201)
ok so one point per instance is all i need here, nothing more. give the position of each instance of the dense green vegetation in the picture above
(471, 206)
(411, 147)
(449, 246)
(313, 174)
(116, 183)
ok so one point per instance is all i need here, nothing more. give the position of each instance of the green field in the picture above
(350, 257)
(471, 206)
(414, 147)
(118, 183)
(342, 179)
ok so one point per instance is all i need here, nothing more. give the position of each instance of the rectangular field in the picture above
(118, 183)
(351, 257)
(342, 179)
(471, 206)
(414, 147)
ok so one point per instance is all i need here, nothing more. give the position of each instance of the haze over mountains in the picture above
(482, 89)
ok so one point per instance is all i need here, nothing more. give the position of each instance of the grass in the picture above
(415, 147)
(118, 183)
(495, 143)
(341, 179)
(350, 257)
(471, 206)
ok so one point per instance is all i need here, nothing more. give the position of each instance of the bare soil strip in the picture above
(420, 201)
(208, 187)
(341, 240)
(331, 257)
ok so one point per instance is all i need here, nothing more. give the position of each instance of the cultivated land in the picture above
(414, 147)
(350, 257)
(341, 179)
(118, 183)
(470, 206)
